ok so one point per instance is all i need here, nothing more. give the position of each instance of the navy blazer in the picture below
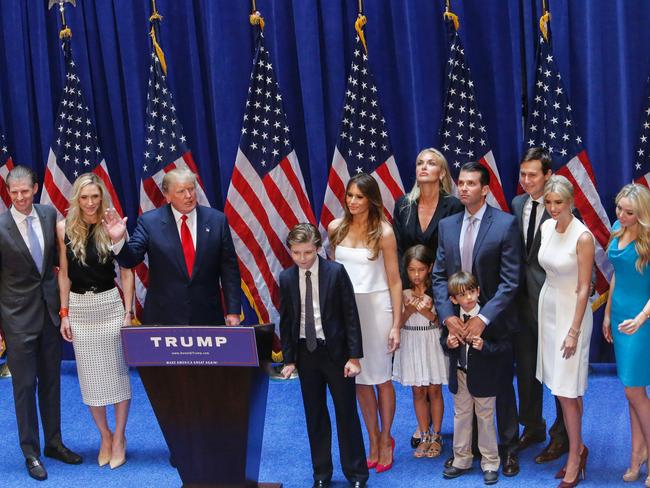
(173, 298)
(483, 367)
(338, 309)
(496, 264)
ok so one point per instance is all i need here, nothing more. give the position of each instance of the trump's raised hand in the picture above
(114, 224)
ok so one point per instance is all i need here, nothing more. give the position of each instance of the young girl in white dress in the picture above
(420, 361)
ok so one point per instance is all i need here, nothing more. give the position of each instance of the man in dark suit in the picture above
(534, 170)
(29, 306)
(483, 241)
(321, 336)
(190, 254)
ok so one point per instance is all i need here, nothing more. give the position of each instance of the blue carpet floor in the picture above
(285, 454)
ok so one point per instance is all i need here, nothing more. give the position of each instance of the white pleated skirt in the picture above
(95, 321)
(420, 360)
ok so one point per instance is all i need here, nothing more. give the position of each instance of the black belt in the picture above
(92, 289)
(319, 342)
(464, 370)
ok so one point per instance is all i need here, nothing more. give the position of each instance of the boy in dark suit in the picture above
(321, 336)
(473, 379)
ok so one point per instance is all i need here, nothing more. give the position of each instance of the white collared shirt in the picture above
(21, 223)
(315, 299)
(191, 223)
(528, 208)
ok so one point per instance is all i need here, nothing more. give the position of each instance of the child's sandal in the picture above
(435, 446)
(423, 447)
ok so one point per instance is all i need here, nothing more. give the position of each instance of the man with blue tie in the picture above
(485, 242)
(29, 307)
(190, 254)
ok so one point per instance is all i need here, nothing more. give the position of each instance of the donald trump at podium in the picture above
(190, 252)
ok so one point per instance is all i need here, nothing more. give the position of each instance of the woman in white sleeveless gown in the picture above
(364, 243)
(565, 320)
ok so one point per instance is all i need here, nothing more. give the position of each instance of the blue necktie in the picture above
(34, 245)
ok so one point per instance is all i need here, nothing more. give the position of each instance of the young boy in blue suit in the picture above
(473, 379)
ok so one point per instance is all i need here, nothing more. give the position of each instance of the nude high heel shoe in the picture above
(633, 472)
(104, 456)
(118, 459)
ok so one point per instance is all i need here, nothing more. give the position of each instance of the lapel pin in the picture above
(207, 229)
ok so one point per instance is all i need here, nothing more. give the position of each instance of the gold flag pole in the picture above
(358, 26)
(65, 32)
(449, 15)
(544, 20)
(156, 17)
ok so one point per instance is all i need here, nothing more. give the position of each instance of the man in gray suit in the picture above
(534, 170)
(29, 307)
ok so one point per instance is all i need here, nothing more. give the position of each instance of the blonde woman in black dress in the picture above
(92, 312)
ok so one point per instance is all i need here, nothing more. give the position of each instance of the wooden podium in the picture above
(212, 417)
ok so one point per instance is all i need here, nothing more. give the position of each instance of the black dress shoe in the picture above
(453, 472)
(321, 484)
(449, 462)
(530, 438)
(358, 484)
(551, 452)
(510, 466)
(490, 477)
(63, 454)
(35, 468)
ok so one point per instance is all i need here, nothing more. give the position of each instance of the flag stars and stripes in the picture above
(641, 168)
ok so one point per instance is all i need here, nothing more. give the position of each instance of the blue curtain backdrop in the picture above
(601, 47)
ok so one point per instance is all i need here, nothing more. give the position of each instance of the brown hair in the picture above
(461, 282)
(368, 186)
(421, 253)
(304, 233)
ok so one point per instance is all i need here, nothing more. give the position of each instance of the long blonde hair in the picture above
(370, 189)
(77, 230)
(639, 197)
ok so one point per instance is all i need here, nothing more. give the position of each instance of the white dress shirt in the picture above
(21, 223)
(315, 299)
(528, 208)
(191, 223)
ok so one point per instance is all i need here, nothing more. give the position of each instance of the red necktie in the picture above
(188, 245)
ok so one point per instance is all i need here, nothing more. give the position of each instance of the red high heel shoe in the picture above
(380, 468)
(371, 464)
(582, 471)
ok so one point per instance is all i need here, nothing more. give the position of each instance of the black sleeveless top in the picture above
(94, 276)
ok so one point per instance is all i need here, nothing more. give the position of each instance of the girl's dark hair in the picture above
(420, 253)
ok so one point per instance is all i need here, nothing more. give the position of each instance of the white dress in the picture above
(420, 360)
(375, 311)
(557, 302)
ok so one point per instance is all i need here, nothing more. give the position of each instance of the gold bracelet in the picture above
(574, 333)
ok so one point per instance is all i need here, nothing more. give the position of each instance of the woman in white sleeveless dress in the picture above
(565, 320)
(363, 241)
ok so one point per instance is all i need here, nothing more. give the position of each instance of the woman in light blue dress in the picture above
(626, 321)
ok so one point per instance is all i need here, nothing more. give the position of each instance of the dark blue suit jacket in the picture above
(338, 308)
(496, 264)
(173, 298)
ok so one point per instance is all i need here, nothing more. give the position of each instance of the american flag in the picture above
(165, 149)
(266, 197)
(463, 133)
(642, 154)
(550, 125)
(363, 144)
(6, 164)
(75, 149)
